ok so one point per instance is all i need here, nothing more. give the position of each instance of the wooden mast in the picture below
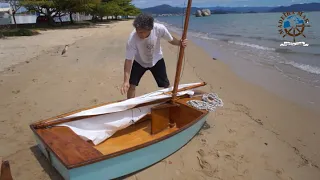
(181, 53)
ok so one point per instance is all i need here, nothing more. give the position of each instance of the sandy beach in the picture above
(255, 135)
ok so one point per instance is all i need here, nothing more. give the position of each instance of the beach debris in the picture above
(16, 92)
(27, 62)
(266, 144)
(94, 101)
(65, 49)
(214, 58)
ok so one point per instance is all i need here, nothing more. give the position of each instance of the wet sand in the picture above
(256, 135)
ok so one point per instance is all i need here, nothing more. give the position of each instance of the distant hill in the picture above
(298, 7)
(166, 9)
(242, 9)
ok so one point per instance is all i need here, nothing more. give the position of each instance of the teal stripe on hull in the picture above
(128, 163)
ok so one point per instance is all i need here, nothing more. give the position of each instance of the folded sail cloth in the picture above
(120, 115)
(99, 128)
(130, 103)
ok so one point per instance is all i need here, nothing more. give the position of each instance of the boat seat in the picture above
(68, 146)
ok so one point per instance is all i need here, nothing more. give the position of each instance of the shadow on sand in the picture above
(51, 171)
(64, 25)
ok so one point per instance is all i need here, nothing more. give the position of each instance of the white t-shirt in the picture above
(147, 52)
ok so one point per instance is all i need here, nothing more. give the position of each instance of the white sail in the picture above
(116, 116)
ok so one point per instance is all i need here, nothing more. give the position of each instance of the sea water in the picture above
(255, 39)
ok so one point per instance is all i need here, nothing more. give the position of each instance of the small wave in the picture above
(265, 38)
(304, 67)
(249, 37)
(252, 45)
(206, 37)
(289, 51)
(229, 35)
(282, 50)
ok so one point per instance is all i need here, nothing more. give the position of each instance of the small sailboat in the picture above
(115, 139)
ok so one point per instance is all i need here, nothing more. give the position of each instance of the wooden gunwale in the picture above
(50, 121)
(128, 150)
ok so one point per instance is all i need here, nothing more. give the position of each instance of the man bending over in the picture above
(143, 52)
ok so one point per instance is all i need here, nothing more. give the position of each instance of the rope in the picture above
(209, 102)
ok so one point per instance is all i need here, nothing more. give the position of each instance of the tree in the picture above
(44, 7)
(74, 6)
(15, 6)
(58, 8)
(131, 10)
(123, 8)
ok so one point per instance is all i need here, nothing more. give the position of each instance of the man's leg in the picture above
(159, 73)
(137, 72)
(131, 92)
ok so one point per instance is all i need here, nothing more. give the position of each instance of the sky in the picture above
(213, 3)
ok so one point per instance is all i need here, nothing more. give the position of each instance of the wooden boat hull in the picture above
(127, 163)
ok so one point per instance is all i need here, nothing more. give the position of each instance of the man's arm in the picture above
(171, 39)
(127, 70)
(175, 41)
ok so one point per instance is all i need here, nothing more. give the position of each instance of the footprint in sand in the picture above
(205, 165)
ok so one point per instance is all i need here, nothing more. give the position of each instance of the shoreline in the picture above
(268, 76)
(256, 135)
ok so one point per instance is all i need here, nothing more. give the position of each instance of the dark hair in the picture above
(144, 21)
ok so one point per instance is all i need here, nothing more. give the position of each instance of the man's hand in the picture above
(178, 42)
(125, 88)
(184, 43)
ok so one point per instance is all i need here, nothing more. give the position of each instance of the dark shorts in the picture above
(158, 71)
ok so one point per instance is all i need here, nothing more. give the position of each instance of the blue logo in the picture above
(293, 24)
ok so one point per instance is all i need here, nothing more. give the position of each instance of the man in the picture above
(143, 52)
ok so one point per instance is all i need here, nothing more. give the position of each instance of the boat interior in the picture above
(163, 121)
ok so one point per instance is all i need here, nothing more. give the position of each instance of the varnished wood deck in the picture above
(130, 137)
(140, 133)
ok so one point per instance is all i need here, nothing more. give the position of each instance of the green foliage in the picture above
(97, 8)
(114, 8)
(18, 32)
(36, 5)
